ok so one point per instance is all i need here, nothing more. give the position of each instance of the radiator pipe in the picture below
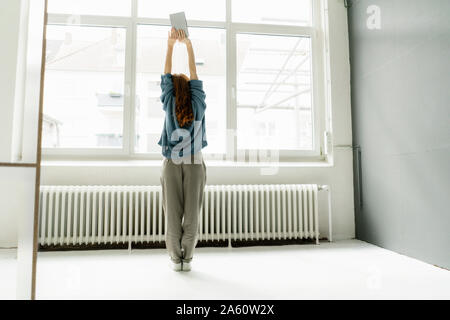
(327, 188)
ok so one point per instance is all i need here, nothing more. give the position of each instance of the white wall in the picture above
(15, 198)
(17, 190)
(20, 70)
(20, 66)
(10, 13)
(9, 31)
(16, 215)
(338, 173)
(25, 145)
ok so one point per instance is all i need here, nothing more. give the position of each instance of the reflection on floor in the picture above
(8, 274)
(340, 270)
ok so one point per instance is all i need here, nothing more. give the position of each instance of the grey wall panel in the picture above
(401, 120)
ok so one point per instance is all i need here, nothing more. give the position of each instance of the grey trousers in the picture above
(182, 189)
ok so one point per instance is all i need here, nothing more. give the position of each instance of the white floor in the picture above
(341, 270)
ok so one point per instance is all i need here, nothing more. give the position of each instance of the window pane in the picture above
(93, 7)
(274, 108)
(211, 10)
(84, 77)
(289, 12)
(209, 48)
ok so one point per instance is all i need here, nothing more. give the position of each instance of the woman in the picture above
(184, 172)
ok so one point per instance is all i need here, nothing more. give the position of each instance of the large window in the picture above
(84, 83)
(274, 109)
(260, 62)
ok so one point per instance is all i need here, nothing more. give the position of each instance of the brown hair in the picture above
(183, 105)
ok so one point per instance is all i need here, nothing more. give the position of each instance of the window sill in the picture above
(157, 163)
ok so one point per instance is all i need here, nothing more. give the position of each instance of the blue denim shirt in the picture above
(179, 141)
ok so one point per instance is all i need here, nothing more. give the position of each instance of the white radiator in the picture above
(71, 215)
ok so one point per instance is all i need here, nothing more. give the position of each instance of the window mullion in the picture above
(318, 77)
(231, 138)
(134, 8)
(281, 30)
(132, 84)
(129, 90)
(87, 20)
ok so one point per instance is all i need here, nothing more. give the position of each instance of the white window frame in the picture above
(130, 24)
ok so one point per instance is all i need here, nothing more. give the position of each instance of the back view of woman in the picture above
(183, 175)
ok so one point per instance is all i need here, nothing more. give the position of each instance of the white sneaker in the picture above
(186, 266)
(176, 266)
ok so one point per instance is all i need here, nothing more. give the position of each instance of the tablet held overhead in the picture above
(178, 21)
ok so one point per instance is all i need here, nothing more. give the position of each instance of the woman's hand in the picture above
(173, 36)
(181, 36)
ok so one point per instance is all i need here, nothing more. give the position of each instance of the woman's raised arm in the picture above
(170, 43)
(191, 57)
